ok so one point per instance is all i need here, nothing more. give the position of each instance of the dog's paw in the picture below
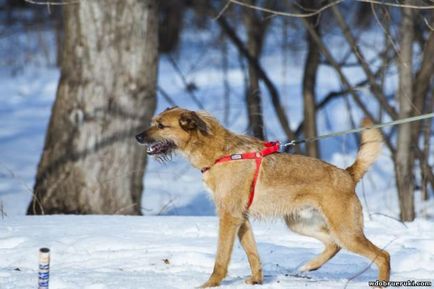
(253, 281)
(210, 283)
(308, 267)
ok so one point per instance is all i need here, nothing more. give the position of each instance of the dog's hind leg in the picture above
(346, 226)
(330, 250)
(315, 228)
(247, 240)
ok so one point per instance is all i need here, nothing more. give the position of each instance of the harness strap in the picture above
(269, 148)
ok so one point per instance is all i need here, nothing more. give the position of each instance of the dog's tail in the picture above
(370, 148)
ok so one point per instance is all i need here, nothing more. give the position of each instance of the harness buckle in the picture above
(284, 147)
(236, 157)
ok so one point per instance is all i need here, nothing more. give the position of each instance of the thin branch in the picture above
(228, 3)
(386, 31)
(26, 187)
(397, 5)
(390, 217)
(375, 88)
(189, 86)
(331, 4)
(280, 13)
(2, 211)
(329, 97)
(226, 85)
(48, 3)
(427, 24)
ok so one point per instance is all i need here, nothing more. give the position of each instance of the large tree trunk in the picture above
(255, 28)
(404, 156)
(91, 163)
(309, 82)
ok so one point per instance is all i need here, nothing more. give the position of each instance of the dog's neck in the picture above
(203, 151)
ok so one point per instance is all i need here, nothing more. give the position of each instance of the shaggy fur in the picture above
(314, 198)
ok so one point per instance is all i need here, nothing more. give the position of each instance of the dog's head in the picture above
(172, 129)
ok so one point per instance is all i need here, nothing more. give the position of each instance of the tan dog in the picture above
(315, 198)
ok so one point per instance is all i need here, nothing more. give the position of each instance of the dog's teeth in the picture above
(149, 149)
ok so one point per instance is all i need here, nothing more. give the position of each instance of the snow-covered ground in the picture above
(107, 252)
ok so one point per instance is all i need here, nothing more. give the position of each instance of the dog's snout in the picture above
(140, 138)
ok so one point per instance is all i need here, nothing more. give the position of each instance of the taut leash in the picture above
(344, 132)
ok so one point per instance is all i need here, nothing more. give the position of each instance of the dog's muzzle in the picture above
(160, 147)
(154, 147)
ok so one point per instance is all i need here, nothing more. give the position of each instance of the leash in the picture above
(344, 132)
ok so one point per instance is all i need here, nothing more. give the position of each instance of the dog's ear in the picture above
(191, 121)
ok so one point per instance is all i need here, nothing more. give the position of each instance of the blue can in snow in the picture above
(44, 268)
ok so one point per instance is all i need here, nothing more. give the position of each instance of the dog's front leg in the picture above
(247, 240)
(228, 227)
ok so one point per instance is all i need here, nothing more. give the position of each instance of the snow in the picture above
(93, 252)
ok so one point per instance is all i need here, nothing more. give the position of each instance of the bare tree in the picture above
(255, 28)
(404, 156)
(422, 94)
(90, 162)
(311, 66)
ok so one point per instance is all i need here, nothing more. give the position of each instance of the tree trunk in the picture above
(422, 88)
(91, 163)
(404, 156)
(424, 165)
(309, 82)
(255, 36)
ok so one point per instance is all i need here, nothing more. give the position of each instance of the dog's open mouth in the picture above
(163, 147)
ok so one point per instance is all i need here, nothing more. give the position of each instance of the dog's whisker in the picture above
(165, 157)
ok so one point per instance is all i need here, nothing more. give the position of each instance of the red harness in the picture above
(269, 148)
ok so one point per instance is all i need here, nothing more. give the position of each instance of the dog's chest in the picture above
(208, 187)
(220, 189)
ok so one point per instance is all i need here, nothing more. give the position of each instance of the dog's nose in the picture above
(140, 138)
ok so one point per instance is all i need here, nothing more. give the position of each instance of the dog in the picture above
(314, 198)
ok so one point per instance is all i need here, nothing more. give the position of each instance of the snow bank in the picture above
(102, 252)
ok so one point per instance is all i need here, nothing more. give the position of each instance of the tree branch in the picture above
(375, 88)
(329, 57)
(397, 5)
(280, 13)
(261, 73)
(329, 97)
(52, 3)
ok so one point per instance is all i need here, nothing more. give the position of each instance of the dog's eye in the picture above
(160, 126)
